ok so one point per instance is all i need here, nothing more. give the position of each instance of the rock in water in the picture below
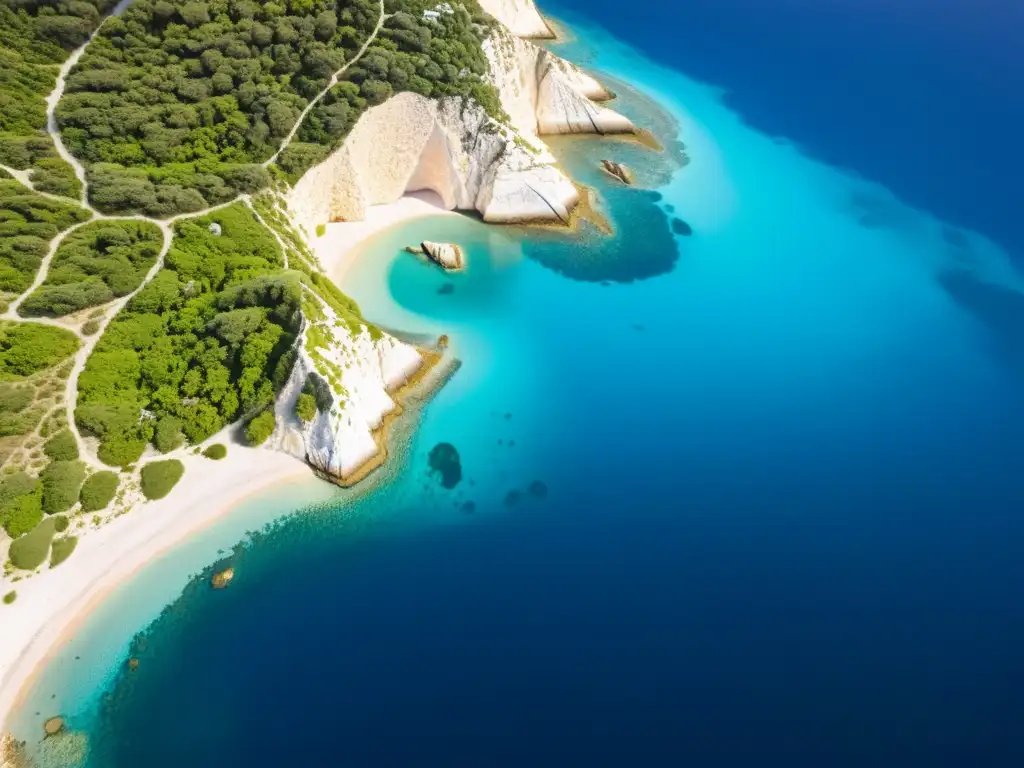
(446, 255)
(222, 579)
(414, 249)
(133, 664)
(53, 726)
(618, 171)
(445, 464)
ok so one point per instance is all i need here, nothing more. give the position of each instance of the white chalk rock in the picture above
(447, 255)
(520, 16)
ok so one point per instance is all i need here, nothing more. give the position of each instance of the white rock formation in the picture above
(411, 143)
(453, 148)
(360, 372)
(520, 16)
(446, 255)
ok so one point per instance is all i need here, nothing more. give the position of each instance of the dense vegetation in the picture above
(28, 348)
(21, 503)
(174, 105)
(35, 36)
(206, 342)
(95, 264)
(159, 477)
(98, 491)
(61, 446)
(260, 428)
(28, 222)
(62, 480)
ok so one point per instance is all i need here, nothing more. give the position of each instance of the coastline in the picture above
(342, 243)
(53, 604)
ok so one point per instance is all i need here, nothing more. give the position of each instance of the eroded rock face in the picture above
(520, 16)
(354, 373)
(446, 255)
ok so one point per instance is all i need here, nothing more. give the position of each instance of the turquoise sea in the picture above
(740, 482)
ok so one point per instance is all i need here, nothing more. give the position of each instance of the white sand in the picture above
(51, 604)
(338, 249)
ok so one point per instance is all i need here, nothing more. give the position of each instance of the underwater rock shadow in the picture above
(998, 308)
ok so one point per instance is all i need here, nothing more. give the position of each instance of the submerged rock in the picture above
(222, 579)
(469, 507)
(447, 255)
(446, 290)
(512, 498)
(53, 726)
(414, 249)
(680, 227)
(445, 464)
(133, 664)
(618, 171)
(538, 489)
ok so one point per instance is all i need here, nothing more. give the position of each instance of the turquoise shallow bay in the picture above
(783, 499)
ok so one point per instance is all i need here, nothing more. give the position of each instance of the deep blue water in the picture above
(783, 457)
(923, 96)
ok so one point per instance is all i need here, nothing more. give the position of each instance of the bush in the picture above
(21, 503)
(90, 327)
(60, 523)
(10, 597)
(62, 480)
(27, 348)
(260, 428)
(28, 552)
(168, 435)
(321, 230)
(159, 477)
(305, 407)
(98, 491)
(62, 549)
(216, 452)
(61, 447)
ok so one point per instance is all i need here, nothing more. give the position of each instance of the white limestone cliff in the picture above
(520, 16)
(358, 371)
(452, 147)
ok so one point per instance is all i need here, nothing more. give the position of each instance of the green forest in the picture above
(95, 264)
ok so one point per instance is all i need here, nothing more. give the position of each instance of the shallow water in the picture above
(782, 517)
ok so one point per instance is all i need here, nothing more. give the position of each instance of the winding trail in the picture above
(330, 84)
(111, 310)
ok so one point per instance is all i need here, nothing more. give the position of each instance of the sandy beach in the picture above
(51, 604)
(340, 245)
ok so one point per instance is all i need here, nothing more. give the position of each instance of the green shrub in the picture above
(305, 407)
(98, 490)
(168, 434)
(159, 477)
(260, 428)
(62, 480)
(28, 552)
(90, 327)
(27, 348)
(10, 597)
(21, 503)
(62, 549)
(321, 230)
(61, 447)
(60, 523)
(217, 451)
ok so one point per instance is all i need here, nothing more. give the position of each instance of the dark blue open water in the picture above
(784, 518)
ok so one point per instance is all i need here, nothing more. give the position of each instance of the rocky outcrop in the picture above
(545, 94)
(221, 579)
(53, 726)
(453, 148)
(446, 255)
(618, 171)
(411, 143)
(520, 16)
(12, 753)
(353, 372)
